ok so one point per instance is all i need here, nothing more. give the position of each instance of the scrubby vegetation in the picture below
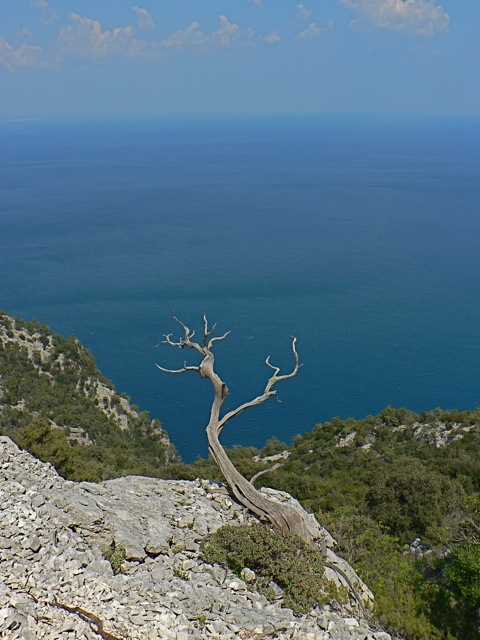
(115, 556)
(277, 558)
(400, 491)
(404, 511)
(50, 406)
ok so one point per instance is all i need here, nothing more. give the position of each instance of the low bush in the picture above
(281, 558)
(115, 555)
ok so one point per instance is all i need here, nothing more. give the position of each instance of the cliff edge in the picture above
(55, 582)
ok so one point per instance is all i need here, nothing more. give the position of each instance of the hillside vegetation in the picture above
(55, 403)
(400, 491)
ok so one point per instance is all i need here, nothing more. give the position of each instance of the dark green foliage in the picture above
(379, 493)
(242, 458)
(44, 398)
(403, 496)
(75, 462)
(390, 573)
(462, 575)
(452, 588)
(282, 558)
(387, 485)
(273, 447)
(116, 556)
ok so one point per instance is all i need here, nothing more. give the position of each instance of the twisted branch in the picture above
(279, 515)
(263, 471)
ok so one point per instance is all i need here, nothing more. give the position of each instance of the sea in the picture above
(360, 236)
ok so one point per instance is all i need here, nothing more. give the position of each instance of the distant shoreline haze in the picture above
(360, 236)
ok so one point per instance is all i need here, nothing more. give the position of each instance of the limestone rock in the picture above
(56, 583)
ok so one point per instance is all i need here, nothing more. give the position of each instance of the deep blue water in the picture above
(359, 236)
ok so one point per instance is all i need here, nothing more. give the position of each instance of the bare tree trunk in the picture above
(281, 516)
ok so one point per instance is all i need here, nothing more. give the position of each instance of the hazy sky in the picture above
(220, 57)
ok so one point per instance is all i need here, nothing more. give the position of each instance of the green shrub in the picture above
(282, 558)
(33, 404)
(453, 592)
(390, 573)
(401, 498)
(115, 555)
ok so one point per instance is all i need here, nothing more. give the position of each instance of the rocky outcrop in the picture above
(56, 583)
(434, 432)
(39, 345)
(440, 434)
(44, 376)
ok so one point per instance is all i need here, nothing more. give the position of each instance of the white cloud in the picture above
(258, 3)
(26, 55)
(311, 32)
(190, 36)
(302, 12)
(85, 38)
(144, 18)
(272, 38)
(194, 36)
(41, 4)
(49, 13)
(423, 17)
(227, 32)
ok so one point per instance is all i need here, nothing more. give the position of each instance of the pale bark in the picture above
(281, 516)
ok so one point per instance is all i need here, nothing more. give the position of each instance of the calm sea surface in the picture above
(360, 237)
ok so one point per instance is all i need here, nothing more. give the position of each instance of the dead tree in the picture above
(280, 516)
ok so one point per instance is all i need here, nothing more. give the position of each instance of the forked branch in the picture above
(279, 515)
(268, 392)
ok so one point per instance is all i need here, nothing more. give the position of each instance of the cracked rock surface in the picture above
(55, 583)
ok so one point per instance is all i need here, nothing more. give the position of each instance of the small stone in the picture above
(351, 622)
(323, 623)
(38, 500)
(34, 544)
(237, 585)
(5, 543)
(155, 548)
(158, 572)
(137, 618)
(248, 575)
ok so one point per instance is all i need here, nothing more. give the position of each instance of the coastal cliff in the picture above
(109, 536)
(55, 580)
(57, 404)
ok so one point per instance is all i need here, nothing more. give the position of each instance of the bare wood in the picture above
(263, 471)
(93, 621)
(279, 515)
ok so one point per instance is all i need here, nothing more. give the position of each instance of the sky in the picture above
(215, 58)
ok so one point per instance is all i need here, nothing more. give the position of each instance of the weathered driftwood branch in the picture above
(93, 621)
(264, 471)
(279, 515)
